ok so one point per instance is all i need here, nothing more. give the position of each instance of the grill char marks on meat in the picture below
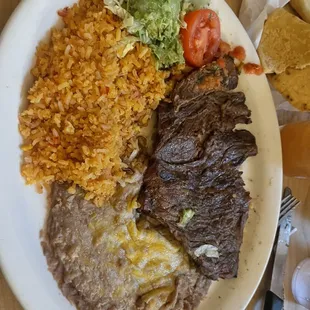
(195, 166)
(206, 79)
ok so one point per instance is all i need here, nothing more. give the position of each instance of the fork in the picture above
(288, 204)
(274, 299)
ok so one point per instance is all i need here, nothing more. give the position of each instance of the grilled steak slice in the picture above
(195, 167)
(208, 78)
(189, 127)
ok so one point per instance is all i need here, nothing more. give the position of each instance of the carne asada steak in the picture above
(193, 185)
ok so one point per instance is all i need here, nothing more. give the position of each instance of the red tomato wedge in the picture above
(201, 39)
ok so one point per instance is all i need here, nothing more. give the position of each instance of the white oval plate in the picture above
(22, 210)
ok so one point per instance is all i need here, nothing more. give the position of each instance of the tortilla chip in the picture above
(302, 7)
(294, 85)
(285, 42)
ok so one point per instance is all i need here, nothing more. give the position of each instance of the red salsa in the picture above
(221, 62)
(239, 53)
(251, 68)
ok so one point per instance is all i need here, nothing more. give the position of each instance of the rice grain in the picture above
(87, 106)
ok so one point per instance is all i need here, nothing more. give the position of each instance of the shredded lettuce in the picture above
(197, 4)
(116, 8)
(160, 18)
(156, 23)
(186, 7)
(207, 249)
(129, 22)
(161, 27)
(192, 5)
(124, 46)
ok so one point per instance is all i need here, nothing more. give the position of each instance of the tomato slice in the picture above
(201, 38)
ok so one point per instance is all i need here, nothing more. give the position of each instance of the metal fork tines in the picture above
(288, 204)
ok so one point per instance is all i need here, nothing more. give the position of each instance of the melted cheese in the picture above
(154, 259)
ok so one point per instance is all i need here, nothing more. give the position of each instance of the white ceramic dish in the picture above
(22, 209)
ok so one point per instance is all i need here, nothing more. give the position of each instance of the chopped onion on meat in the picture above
(207, 249)
(186, 217)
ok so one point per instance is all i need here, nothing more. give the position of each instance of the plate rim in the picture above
(12, 25)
